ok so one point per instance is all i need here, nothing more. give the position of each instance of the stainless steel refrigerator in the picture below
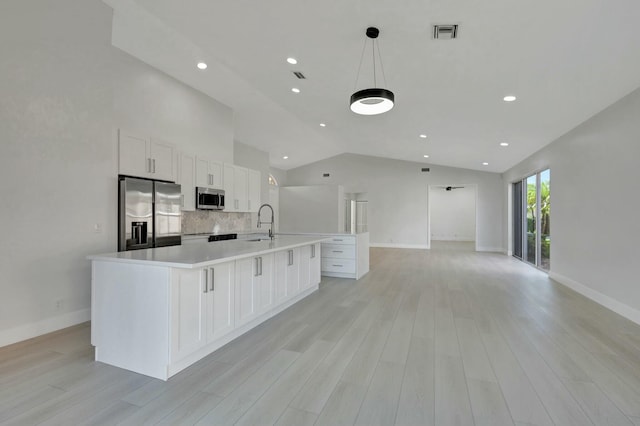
(149, 214)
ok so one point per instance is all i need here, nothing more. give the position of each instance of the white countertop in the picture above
(197, 255)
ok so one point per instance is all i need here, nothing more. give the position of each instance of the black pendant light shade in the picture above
(374, 100)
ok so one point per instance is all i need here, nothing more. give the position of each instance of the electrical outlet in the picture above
(97, 228)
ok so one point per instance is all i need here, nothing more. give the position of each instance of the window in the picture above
(272, 180)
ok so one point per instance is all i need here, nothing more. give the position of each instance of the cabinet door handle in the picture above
(337, 251)
(257, 273)
(206, 280)
(340, 266)
(337, 239)
(148, 165)
(182, 199)
(290, 257)
(213, 280)
(313, 251)
(154, 165)
(260, 265)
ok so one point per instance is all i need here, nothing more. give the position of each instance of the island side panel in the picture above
(130, 316)
(362, 245)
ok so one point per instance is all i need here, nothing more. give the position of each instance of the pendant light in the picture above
(374, 100)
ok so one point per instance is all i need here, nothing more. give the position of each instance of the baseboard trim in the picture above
(396, 245)
(47, 325)
(608, 302)
(491, 249)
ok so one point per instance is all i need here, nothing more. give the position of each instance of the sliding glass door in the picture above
(531, 219)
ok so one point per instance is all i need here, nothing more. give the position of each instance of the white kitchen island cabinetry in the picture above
(287, 278)
(344, 255)
(157, 311)
(254, 287)
(201, 307)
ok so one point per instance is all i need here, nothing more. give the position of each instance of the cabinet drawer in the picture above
(340, 251)
(346, 266)
(346, 240)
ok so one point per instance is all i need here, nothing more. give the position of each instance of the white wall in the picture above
(318, 208)
(594, 205)
(64, 91)
(453, 213)
(397, 192)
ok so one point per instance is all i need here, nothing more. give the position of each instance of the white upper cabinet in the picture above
(143, 157)
(186, 179)
(162, 160)
(238, 186)
(241, 189)
(209, 173)
(229, 186)
(253, 202)
(132, 154)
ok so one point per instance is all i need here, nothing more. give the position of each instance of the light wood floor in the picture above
(438, 337)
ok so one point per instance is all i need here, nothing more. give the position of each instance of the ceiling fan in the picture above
(449, 188)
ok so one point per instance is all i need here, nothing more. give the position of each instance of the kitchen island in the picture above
(157, 311)
(344, 255)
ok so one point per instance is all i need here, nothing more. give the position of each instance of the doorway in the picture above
(531, 213)
(453, 216)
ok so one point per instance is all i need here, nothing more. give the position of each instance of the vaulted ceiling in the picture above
(563, 60)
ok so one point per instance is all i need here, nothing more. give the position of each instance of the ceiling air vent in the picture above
(426, 169)
(299, 75)
(445, 32)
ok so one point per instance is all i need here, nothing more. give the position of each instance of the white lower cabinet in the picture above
(158, 319)
(220, 300)
(201, 307)
(309, 269)
(254, 287)
(287, 266)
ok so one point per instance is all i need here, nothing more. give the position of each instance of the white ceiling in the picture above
(564, 60)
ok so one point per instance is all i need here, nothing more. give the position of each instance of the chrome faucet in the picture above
(272, 218)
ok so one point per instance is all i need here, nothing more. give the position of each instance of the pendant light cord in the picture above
(373, 56)
(360, 66)
(384, 78)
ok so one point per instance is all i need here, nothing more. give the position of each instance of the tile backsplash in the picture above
(203, 221)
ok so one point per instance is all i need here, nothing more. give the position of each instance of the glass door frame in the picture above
(524, 219)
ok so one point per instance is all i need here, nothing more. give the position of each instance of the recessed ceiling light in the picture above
(295, 90)
(323, 125)
(504, 144)
(509, 98)
(425, 156)
(202, 65)
(285, 157)
(292, 61)
(485, 164)
(423, 136)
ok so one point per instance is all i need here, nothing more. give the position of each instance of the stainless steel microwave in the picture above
(209, 199)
